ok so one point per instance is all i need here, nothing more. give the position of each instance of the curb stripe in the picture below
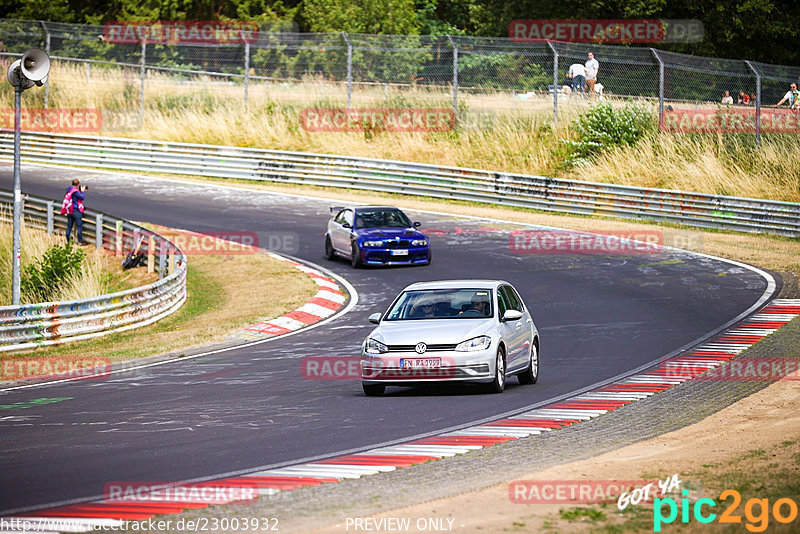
(582, 407)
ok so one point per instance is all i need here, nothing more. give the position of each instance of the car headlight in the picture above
(419, 242)
(375, 347)
(474, 344)
(373, 243)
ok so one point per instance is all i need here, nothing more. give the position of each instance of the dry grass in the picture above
(498, 131)
(225, 294)
(100, 273)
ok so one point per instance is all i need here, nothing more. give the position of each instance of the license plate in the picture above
(399, 253)
(420, 363)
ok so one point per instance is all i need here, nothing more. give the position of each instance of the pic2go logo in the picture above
(756, 511)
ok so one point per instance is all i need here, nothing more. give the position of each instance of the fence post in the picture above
(660, 89)
(455, 80)
(758, 101)
(46, 49)
(246, 67)
(50, 217)
(349, 68)
(555, 84)
(141, 91)
(98, 231)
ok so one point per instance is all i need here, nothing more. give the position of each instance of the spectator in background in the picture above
(793, 96)
(744, 99)
(727, 98)
(578, 73)
(72, 207)
(592, 67)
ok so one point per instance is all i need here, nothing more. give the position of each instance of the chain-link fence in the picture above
(466, 74)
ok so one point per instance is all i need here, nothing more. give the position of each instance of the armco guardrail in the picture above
(31, 325)
(536, 192)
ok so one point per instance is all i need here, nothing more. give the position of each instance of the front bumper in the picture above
(455, 366)
(389, 256)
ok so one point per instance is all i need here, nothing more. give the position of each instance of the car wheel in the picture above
(531, 374)
(329, 252)
(373, 390)
(499, 383)
(355, 256)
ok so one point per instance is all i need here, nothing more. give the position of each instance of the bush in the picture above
(41, 281)
(603, 128)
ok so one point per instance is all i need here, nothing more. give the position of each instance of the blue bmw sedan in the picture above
(376, 235)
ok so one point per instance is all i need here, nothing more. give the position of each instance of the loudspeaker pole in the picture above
(31, 69)
(17, 245)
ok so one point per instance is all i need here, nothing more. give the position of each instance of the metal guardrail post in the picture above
(151, 254)
(118, 239)
(98, 231)
(349, 68)
(555, 84)
(758, 101)
(660, 89)
(455, 80)
(162, 258)
(49, 209)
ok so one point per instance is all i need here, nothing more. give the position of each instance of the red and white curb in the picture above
(693, 363)
(322, 305)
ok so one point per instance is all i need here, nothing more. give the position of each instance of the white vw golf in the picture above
(453, 331)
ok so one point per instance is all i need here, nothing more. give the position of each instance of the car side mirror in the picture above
(512, 315)
(375, 318)
(417, 224)
(345, 225)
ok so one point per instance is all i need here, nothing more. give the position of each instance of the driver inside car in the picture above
(478, 303)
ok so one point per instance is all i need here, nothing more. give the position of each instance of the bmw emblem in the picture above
(421, 348)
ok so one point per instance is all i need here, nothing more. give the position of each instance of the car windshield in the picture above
(442, 304)
(381, 218)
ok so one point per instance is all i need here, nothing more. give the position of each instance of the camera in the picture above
(84, 188)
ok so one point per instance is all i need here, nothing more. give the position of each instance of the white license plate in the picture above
(399, 253)
(420, 363)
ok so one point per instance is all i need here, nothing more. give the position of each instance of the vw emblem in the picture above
(421, 348)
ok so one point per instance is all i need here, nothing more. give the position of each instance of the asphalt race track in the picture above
(249, 408)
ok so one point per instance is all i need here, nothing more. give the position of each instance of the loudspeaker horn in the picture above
(35, 64)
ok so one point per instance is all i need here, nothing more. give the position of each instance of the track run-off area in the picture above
(249, 409)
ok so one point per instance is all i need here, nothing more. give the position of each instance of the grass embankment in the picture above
(225, 293)
(499, 131)
(99, 273)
